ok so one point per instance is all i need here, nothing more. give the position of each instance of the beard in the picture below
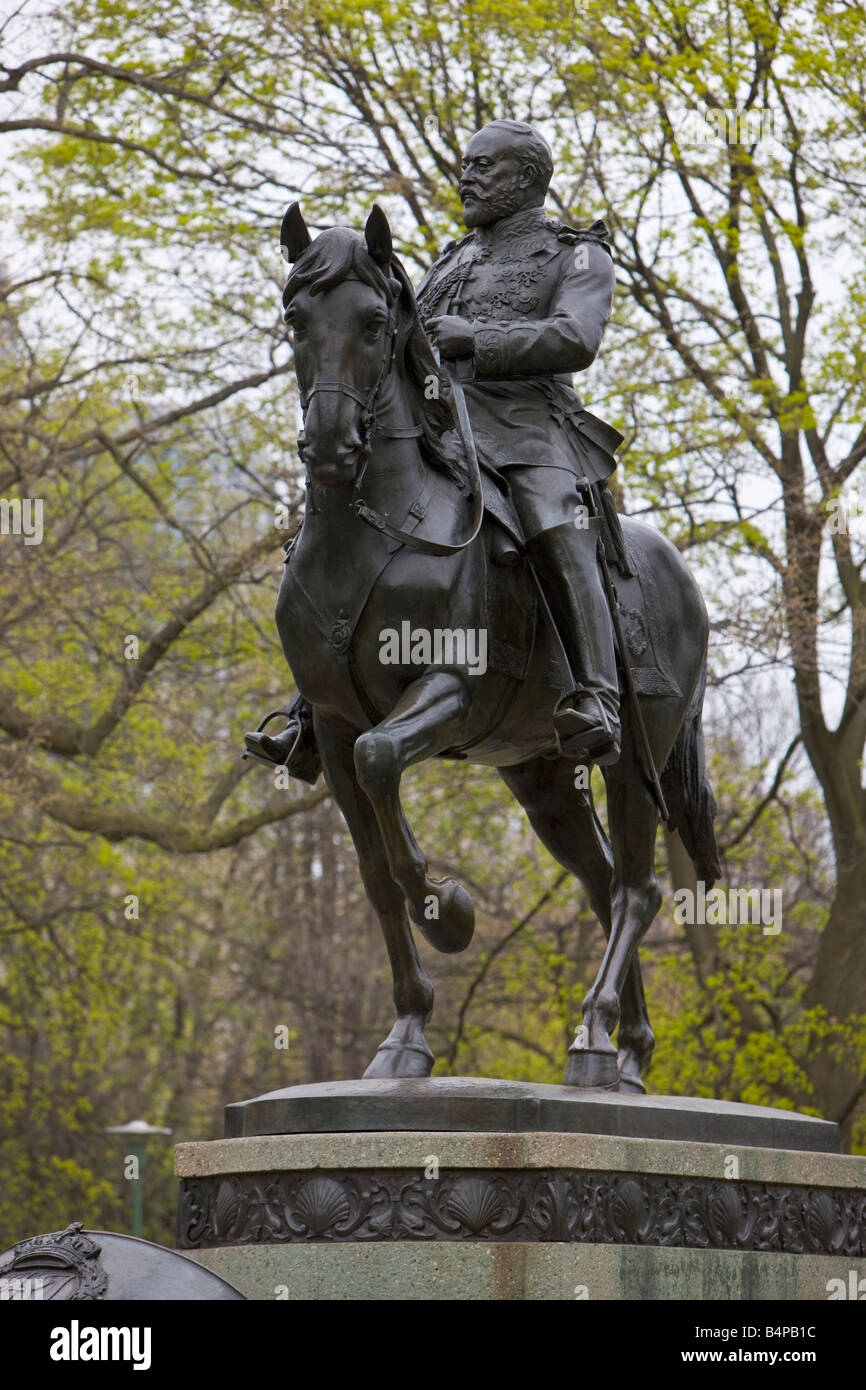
(499, 203)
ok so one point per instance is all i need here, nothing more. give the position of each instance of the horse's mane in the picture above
(339, 254)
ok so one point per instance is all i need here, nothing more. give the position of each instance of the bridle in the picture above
(366, 400)
(368, 426)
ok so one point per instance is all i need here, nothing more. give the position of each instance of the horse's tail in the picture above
(688, 793)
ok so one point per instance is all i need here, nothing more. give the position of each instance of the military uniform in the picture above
(539, 296)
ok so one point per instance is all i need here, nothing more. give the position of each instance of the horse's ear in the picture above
(377, 236)
(294, 237)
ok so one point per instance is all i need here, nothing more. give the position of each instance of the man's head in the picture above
(507, 167)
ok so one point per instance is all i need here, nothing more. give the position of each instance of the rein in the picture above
(464, 429)
(369, 427)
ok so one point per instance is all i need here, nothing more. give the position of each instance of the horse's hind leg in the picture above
(636, 899)
(404, 1052)
(426, 720)
(564, 819)
(635, 1039)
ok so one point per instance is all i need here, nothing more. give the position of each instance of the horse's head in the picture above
(341, 303)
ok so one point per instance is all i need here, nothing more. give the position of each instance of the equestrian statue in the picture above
(462, 587)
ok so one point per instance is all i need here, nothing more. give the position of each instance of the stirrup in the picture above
(254, 750)
(597, 741)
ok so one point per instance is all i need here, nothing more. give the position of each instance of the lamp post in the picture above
(138, 1132)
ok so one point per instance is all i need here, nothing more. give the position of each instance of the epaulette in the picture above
(597, 233)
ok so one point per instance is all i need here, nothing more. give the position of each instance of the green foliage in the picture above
(146, 395)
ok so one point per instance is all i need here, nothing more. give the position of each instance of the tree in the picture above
(145, 382)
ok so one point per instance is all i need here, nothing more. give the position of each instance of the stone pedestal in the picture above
(511, 1191)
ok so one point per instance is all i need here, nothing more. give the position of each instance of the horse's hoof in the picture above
(453, 928)
(629, 1088)
(400, 1060)
(591, 1068)
(630, 1082)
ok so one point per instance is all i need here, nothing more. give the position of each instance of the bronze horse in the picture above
(361, 614)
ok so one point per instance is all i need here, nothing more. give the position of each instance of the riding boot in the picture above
(565, 561)
(293, 748)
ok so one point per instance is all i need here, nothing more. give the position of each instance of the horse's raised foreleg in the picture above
(636, 899)
(426, 720)
(404, 1052)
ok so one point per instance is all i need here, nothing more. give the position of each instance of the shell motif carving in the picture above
(321, 1203)
(820, 1221)
(628, 1209)
(725, 1212)
(226, 1210)
(476, 1203)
